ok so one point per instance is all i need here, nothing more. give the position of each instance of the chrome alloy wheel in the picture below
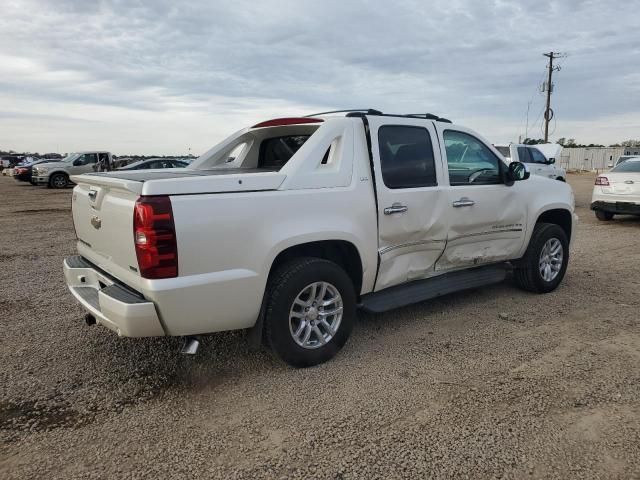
(315, 315)
(550, 261)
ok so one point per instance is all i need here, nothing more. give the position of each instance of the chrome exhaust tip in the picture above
(190, 346)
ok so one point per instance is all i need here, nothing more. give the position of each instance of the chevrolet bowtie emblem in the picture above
(96, 222)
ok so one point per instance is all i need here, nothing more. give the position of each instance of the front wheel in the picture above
(58, 180)
(604, 216)
(311, 307)
(545, 262)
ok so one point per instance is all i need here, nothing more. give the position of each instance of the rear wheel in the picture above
(310, 311)
(604, 216)
(545, 262)
(58, 180)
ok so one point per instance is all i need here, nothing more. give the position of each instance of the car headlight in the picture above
(41, 171)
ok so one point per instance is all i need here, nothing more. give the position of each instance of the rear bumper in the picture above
(621, 208)
(112, 304)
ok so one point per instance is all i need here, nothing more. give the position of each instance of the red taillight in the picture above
(154, 234)
(602, 181)
(279, 122)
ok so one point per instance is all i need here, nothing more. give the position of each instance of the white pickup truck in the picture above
(289, 226)
(541, 159)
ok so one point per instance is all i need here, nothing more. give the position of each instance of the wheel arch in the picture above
(558, 216)
(341, 252)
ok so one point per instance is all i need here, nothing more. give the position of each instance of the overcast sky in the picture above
(160, 77)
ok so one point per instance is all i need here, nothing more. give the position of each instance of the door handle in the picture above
(92, 194)
(395, 208)
(463, 202)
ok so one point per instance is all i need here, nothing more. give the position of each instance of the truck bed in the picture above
(184, 181)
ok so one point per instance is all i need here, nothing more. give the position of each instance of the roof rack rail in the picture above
(359, 112)
(365, 110)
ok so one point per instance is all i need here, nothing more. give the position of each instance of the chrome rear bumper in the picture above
(113, 305)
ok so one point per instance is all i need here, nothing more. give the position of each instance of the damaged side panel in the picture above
(492, 230)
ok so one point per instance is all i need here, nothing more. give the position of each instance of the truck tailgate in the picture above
(103, 219)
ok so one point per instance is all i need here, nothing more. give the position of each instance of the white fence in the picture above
(596, 159)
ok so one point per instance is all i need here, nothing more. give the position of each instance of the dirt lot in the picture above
(493, 383)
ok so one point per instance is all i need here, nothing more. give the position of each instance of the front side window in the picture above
(537, 156)
(406, 157)
(523, 155)
(470, 162)
(86, 159)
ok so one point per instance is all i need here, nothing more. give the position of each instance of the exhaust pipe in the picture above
(89, 319)
(190, 346)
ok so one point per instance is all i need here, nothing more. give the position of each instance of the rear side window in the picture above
(406, 157)
(632, 165)
(276, 152)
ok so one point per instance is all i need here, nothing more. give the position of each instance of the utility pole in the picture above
(548, 113)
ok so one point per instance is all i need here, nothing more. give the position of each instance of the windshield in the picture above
(631, 165)
(70, 158)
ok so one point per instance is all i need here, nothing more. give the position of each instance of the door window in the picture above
(86, 159)
(523, 155)
(470, 162)
(537, 156)
(406, 157)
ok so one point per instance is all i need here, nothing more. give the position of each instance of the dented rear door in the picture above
(412, 205)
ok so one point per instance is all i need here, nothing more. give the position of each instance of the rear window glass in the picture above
(631, 165)
(276, 152)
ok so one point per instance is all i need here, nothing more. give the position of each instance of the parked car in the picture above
(618, 190)
(312, 218)
(25, 172)
(154, 163)
(55, 174)
(541, 159)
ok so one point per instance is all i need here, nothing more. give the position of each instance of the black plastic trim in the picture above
(421, 290)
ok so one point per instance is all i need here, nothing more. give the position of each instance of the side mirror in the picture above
(551, 161)
(517, 171)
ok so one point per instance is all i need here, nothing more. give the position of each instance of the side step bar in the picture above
(421, 290)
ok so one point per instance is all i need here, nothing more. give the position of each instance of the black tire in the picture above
(58, 180)
(527, 273)
(284, 287)
(604, 216)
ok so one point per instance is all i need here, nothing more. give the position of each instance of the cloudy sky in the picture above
(160, 77)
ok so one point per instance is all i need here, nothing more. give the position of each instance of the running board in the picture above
(421, 290)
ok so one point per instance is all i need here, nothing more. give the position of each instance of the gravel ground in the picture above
(493, 383)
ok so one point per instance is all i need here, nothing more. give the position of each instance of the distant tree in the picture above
(615, 145)
(571, 143)
(630, 143)
(533, 141)
(561, 141)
